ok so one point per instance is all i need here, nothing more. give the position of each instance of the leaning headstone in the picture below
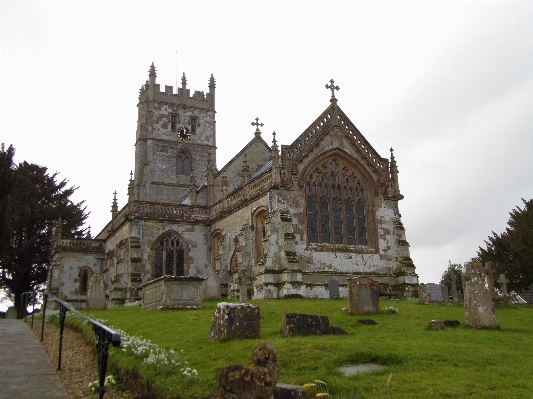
(479, 308)
(211, 286)
(11, 313)
(96, 293)
(333, 286)
(242, 382)
(235, 320)
(294, 324)
(363, 295)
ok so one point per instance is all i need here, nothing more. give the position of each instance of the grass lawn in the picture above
(453, 363)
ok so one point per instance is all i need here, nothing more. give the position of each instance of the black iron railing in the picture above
(103, 334)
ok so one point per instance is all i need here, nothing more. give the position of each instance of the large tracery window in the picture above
(335, 205)
(169, 257)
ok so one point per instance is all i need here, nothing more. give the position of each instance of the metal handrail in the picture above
(103, 334)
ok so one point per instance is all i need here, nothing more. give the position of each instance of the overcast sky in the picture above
(448, 85)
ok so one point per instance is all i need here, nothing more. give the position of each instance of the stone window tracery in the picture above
(335, 205)
(169, 257)
(183, 164)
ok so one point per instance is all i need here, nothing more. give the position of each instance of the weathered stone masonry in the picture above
(272, 222)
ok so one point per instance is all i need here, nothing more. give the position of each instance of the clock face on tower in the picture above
(184, 134)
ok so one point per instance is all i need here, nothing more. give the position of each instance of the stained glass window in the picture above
(335, 204)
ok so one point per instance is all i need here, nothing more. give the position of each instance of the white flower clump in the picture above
(150, 353)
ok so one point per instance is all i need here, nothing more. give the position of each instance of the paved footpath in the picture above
(25, 369)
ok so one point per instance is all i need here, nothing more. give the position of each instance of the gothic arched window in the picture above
(183, 164)
(169, 257)
(85, 275)
(335, 205)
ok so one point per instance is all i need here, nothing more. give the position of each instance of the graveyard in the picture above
(453, 362)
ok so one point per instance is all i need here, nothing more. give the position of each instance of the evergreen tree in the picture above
(512, 251)
(36, 201)
(6, 182)
(454, 269)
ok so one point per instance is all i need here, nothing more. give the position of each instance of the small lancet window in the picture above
(194, 123)
(183, 164)
(173, 123)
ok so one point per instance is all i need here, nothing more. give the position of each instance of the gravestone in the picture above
(289, 391)
(168, 293)
(235, 320)
(242, 382)
(11, 313)
(96, 293)
(436, 325)
(333, 286)
(294, 324)
(363, 295)
(455, 293)
(479, 308)
(503, 281)
(434, 292)
(211, 286)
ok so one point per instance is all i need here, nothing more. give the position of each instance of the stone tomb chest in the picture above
(169, 292)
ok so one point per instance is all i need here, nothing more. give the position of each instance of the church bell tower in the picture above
(176, 135)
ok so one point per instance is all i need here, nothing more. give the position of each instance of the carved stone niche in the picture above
(167, 293)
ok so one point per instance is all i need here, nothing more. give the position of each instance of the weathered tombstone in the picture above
(363, 295)
(444, 291)
(167, 293)
(235, 320)
(211, 286)
(333, 286)
(503, 281)
(242, 382)
(435, 292)
(11, 313)
(436, 325)
(289, 391)
(117, 296)
(294, 324)
(479, 308)
(455, 294)
(96, 293)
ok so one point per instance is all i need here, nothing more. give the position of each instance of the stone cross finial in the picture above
(257, 124)
(332, 87)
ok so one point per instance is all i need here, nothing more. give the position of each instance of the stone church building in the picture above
(279, 221)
